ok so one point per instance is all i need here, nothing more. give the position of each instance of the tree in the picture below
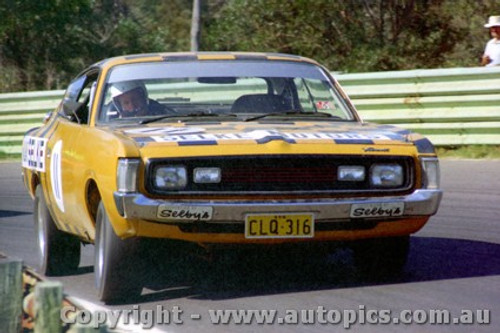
(36, 38)
(43, 44)
(356, 35)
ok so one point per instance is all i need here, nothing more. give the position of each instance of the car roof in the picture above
(200, 56)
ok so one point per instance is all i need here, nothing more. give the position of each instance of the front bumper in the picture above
(422, 202)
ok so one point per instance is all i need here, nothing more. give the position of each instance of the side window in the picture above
(86, 99)
(317, 96)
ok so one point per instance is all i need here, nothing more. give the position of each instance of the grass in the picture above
(9, 157)
(470, 152)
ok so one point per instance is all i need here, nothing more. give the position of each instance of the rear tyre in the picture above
(58, 252)
(117, 275)
(381, 257)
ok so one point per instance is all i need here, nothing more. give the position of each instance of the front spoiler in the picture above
(422, 202)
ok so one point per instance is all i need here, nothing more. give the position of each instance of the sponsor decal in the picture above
(325, 105)
(371, 149)
(184, 213)
(377, 210)
(159, 131)
(263, 136)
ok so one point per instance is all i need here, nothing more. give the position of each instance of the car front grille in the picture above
(304, 174)
(279, 175)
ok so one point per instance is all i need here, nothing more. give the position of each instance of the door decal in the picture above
(55, 175)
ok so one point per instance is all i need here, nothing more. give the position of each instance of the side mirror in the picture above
(69, 107)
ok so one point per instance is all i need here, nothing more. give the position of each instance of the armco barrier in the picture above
(458, 106)
(20, 112)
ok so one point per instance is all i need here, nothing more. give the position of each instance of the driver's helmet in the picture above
(120, 88)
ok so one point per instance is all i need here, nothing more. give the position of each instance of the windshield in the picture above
(146, 92)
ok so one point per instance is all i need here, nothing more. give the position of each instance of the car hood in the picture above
(231, 133)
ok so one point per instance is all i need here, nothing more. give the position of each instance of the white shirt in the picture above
(492, 50)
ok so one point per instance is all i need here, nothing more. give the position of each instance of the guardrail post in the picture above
(11, 295)
(48, 304)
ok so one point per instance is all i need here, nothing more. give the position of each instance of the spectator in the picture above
(491, 56)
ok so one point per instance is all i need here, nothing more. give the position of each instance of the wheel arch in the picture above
(97, 191)
(92, 199)
(33, 182)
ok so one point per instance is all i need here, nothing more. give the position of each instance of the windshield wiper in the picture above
(189, 115)
(292, 113)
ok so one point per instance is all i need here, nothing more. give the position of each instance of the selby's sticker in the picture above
(55, 175)
(387, 209)
(33, 153)
(184, 213)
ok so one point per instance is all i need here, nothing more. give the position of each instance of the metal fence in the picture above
(458, 106)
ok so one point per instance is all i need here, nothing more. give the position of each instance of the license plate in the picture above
(295, 225)
(377, 209)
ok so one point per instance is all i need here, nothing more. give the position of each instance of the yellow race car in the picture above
(219, 149)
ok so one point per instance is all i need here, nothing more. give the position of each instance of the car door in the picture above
(66, 178)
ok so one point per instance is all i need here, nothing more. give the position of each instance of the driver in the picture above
(131, 100)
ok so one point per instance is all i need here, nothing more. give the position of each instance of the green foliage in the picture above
(36, 39)
(43, 44)
(356, 35)
(470, 151)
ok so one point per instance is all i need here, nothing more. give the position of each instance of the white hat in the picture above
(493, 21)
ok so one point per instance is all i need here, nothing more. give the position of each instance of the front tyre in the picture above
(58, 252)
(117, 275)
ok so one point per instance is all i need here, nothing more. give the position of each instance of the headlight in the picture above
(351, 173)
(430, 175)
(386, 175)
(170, 177)
(206, 175)
(126, 174)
